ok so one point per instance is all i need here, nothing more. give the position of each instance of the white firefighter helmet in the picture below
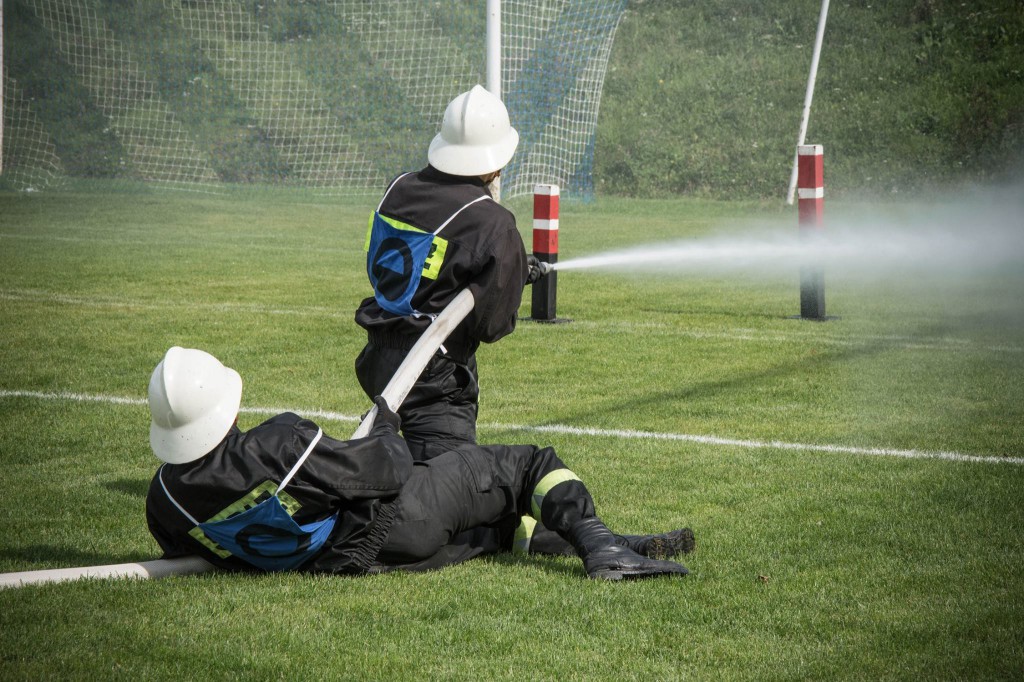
(476, 137)
(193, 402)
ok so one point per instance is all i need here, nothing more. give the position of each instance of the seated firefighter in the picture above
(285, 496)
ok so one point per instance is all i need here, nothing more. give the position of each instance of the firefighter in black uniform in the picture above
(285, 496)
(436, 232)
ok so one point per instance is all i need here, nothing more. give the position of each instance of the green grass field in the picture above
(856, 486)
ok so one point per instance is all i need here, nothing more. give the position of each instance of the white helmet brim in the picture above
(179, 432)
(472, 160)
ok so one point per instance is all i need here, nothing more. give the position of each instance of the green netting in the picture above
(210, 95)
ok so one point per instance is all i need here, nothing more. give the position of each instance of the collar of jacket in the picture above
(431, 174)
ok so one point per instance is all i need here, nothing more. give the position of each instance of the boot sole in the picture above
(676, 542)
(619, 574)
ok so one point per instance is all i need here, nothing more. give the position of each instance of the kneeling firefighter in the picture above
(436, 232)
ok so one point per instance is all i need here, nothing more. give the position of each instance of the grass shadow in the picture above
(547, 563)
(129, 486)
(745, 381)
(55, 556)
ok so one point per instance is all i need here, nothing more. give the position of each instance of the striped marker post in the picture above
(545, 249)
(811, 208)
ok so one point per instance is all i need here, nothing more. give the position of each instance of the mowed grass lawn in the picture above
(856, 486)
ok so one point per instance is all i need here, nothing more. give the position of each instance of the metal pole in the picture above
(1, 86)
(808, 96)
(811, 210)
(493, 65)
(493, 55)
(545, 249)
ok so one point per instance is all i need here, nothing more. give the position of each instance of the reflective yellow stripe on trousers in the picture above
(550, 480)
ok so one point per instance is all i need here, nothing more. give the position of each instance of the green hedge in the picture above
(705, 98)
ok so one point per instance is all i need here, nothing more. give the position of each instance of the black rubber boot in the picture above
(604, 558)
(544, 541)
(660, 546)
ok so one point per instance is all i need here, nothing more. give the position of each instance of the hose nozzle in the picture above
(546, 268)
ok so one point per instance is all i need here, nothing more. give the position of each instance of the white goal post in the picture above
(808, 98)
(2, 87)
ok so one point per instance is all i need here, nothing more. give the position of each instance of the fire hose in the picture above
(394, 393)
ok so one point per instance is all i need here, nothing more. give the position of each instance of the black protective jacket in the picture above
(485, 252)
(360, 478)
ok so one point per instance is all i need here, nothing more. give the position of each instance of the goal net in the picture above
(333, 96)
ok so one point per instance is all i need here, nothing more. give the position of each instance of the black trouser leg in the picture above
(440, 411)
(453, 507)
(473, 487)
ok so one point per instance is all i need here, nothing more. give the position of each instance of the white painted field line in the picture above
(119, 400)
(252, 241)
(763, 444)
(576, 431)
(129, 304)
(74, 397)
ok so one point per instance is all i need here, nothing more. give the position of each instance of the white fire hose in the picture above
(394, 393)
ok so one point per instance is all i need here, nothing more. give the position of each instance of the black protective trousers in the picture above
(441, 409)
(468, 501)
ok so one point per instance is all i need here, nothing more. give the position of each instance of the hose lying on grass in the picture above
(394, 393)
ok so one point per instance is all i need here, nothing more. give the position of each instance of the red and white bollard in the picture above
(811, 209)
(545, 249)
